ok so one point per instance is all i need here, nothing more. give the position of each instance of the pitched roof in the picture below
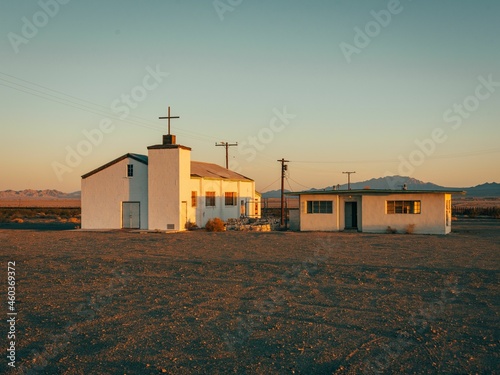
(198, 168)
(140, 158)
(210, 170)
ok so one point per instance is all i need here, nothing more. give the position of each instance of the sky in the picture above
(377, 87)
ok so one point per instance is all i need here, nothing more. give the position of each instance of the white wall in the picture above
(431, 220)
(372, 216)
(245, 191)
(104, 192)
(318, 222)
(169, 185)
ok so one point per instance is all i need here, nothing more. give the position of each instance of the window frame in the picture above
(403, 207)
(231, 197)
(210, 199)
(319, 207)
(130, 170)
(194, 198)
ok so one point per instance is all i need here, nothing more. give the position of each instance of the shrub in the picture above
(410, 228)
(191, 226)
(390, 230)
(18, 220)
(215, 225)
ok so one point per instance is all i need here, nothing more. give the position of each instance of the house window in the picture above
(403, 207)
(130, 170)
(194, 199)
(319, 207)
(230, 199)
(210, 199)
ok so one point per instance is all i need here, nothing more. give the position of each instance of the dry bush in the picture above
(191, 226)
(18, 220)
(410, 228)
(73, 220)
(390, 230)
(215, 225)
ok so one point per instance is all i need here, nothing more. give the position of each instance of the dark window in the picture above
(319, 207)
(230, 199)
(130, 170)
(210, 199)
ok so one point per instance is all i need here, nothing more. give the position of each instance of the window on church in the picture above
(194, 199)
(403, 207)
(210, 199)
(130, 170)
(230, 199)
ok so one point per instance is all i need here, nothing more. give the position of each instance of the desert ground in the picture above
(125, 302)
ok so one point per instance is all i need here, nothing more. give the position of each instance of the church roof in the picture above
(140, 158)
(198, 168)
(210, 170)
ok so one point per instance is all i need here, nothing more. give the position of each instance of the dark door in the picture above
(351, 215)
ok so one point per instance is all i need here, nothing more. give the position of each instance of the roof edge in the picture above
(374, 192)
(107, 165)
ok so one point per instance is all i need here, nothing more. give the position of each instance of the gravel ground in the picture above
(120, 302)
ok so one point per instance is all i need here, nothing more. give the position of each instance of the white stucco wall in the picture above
(372, 216)
(431, 220)
(169, 185)
(319, 222)
(245, 191)
(104, 192)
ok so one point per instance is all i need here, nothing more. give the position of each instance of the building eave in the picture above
(136, 157)
(373, 192)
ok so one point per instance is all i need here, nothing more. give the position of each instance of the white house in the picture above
(164, 190)
(373, 211)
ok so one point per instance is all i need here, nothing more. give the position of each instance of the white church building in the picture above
(164, 190)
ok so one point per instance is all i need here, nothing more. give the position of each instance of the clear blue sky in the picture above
(353, 102)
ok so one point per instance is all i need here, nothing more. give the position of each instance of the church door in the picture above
(131, 215)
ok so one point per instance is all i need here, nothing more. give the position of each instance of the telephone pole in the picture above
(227, 145)
(348, 179)
(284, 167)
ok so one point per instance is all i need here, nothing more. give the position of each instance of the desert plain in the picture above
(129, 302)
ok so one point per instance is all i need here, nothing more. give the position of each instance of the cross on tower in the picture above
(168, 118)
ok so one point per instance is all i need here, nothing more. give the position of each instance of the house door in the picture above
(351, 215)
(131, 215)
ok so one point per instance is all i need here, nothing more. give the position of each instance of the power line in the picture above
(284, 168)
(348, 179)
(85, 105)
(227, 145)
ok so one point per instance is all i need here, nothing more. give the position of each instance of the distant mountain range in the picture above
(393, 182)
(397, 182)
(37, 194)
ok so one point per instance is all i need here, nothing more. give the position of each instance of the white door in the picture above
(131, 215)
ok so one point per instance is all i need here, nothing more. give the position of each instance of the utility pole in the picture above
(227, 145)
(348, 179)
(284, 167)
